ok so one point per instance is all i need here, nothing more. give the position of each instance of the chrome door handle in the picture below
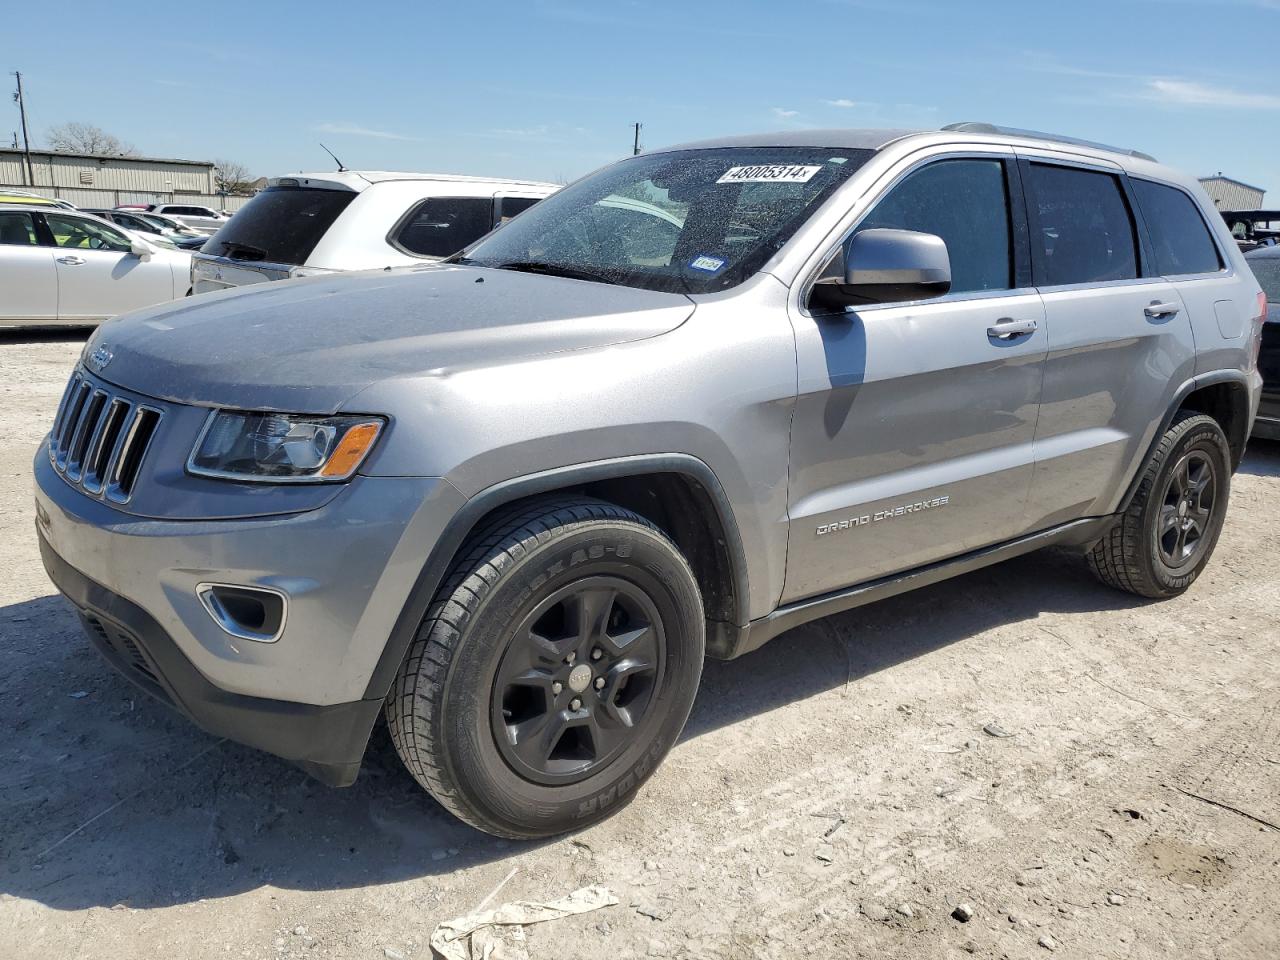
(1011, 329)
(71, 261)
(1155, 309)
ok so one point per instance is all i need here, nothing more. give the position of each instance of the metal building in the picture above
(89, 180)
(1228, 194)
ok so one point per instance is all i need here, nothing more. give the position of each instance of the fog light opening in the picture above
(249, 613)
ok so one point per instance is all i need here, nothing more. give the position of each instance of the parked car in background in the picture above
(1265, 262)
(33, 199)
(1253, 228)
(179, 235)
(356, 220)
(67, 267)
(205, 220)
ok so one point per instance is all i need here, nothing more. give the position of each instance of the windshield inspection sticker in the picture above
(704, 262)
(770, 173)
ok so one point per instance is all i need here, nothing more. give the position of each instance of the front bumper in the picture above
(346, 569)
(327, 742)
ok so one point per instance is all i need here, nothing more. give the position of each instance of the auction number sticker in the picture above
(770, 173)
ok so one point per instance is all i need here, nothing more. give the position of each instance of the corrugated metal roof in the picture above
(1219, 178)
(103, 156)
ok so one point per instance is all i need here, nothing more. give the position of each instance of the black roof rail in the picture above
(1039, 135)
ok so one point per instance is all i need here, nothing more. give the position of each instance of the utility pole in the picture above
(26, 141)
(636, 149)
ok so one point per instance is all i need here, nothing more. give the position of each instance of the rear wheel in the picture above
(1164, 540)
(554, 670)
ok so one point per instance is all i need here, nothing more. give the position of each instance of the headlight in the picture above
(282, 447)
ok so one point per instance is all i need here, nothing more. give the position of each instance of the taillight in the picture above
(1259, 322)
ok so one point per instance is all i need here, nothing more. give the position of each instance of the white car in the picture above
(66, 267)
(205, 220)
(356, 220)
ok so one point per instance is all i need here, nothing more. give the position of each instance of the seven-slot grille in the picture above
(100, 438)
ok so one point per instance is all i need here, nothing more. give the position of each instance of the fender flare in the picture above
(508, 491)
(1179, 398)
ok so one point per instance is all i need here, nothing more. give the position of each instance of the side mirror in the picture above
(140, 250)
(887, 266)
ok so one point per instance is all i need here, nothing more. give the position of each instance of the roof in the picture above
(359, 179)
(866, 139)
(876, 138)
(1219, 178)
(105, 156)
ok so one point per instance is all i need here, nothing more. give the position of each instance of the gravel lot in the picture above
(835, 794)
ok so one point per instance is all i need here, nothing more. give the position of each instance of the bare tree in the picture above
(232, 177)
(76, 137)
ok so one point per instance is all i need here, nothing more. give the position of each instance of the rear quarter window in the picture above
(279, 225)
(1180, 238)
(441, 226)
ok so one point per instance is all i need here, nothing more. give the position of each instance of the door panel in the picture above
(105, 283)
(1111, 374)
(28, 281)
(912, 439)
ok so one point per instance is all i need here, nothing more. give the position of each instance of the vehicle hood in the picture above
(308, 345)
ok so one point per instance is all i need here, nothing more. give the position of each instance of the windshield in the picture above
(692, 221)
(1267, 270)
(279, 225)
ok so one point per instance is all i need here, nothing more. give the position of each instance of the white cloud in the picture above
(842, 102)
(355, 130)
(1193, 94)
(783, 114)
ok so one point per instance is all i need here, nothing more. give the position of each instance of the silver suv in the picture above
(693, 400)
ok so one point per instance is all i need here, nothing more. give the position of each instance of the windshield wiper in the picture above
(553, 270)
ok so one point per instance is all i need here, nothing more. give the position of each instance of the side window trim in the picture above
(1019, 232)
(1147, 266)
(1224, 262)
(1039, 269)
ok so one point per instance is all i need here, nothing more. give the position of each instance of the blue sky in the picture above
(548, 88)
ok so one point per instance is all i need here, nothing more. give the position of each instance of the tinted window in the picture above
(1086, 233)
(279, 225)
(1267, 270)
(965, 203)
(508, 207)
(84, 234)
(442, 226)
(1179, 237)
(17, 229)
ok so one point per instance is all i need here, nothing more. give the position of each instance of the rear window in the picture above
(1267, 270)
(441, 226)
(1086, 232)
(1179, 237)
(279, 225)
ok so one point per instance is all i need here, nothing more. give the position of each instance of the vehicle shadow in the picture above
(28, 335)
(113, 798)
(1261, 458)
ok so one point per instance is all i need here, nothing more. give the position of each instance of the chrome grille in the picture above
(100, 438)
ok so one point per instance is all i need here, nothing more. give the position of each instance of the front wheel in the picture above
(1163, 541)
(553, 671)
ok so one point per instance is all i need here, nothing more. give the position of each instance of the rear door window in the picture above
(1179, 237)
(1085, 231)
(441, 226)
(17, 229)
(504, 208)
(279, 225)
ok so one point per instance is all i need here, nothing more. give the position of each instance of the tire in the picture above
(1163, 540)
(493, 712)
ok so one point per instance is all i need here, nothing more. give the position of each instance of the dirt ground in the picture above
(834, 795)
